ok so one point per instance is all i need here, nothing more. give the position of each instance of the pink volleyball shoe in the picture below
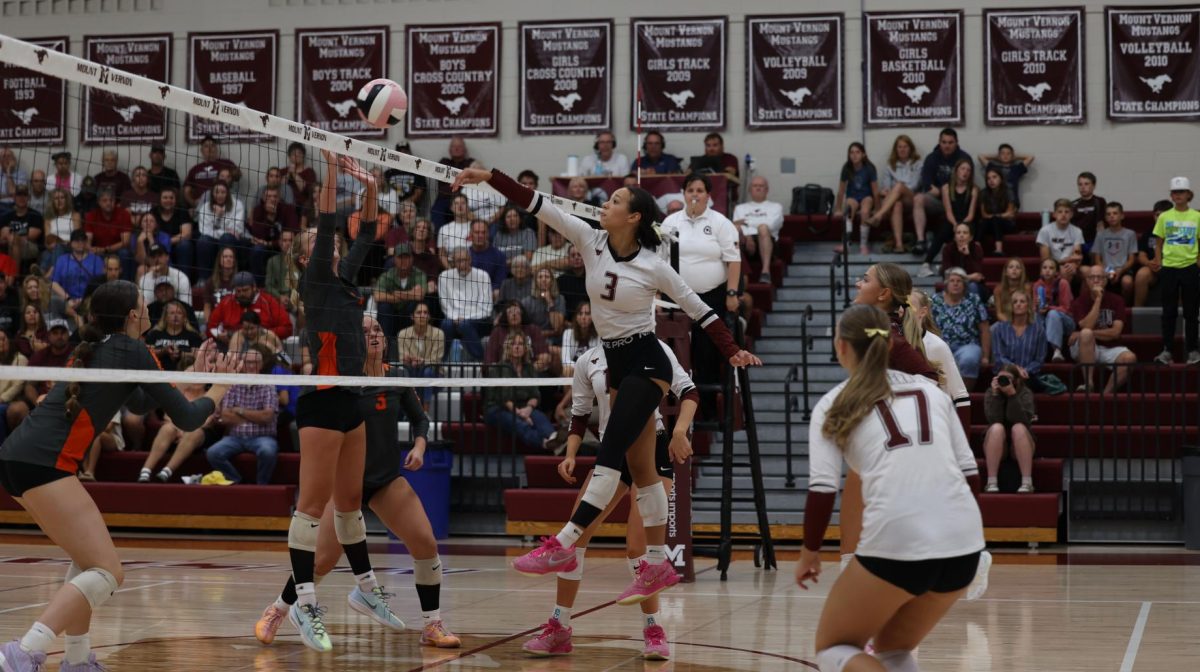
(554, 640)
(656, 643)
(650, 581)
(548, 558)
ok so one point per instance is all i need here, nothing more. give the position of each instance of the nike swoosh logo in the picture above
(435, 567)
(649, 368)
(564, 561)
(314, 524)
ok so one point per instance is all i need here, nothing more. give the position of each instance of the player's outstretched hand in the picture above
(204, 356)
(566, 469)
(808, 568)
(227, 363)
(744, 358)
(353, 169)
(470, 176)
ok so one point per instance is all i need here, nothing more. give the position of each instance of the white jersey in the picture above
(912, 454)
(590, 385)
(622, 291)
(937, 352)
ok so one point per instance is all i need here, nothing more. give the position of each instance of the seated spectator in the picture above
(174, 221)
(8, 265)
(654, 161)
(1148, 270)
(512, 238)
(1115, 250)
(13, 407)
(422, 347)
(1099, 315)
(579, 337)
(39, 194)
(899, 182)
(168, 434)
(226, 318)
(425, 253)
(158, 271)
(572, 283)
(1175, 231)
(11, 175)
(544, 306)
(1009, 410)
(164, 293)
(248, 416)
(577, 190)
(858, 191)
(408, 187)
(1088, 210)
(466, 298)
(1013, 280)
(110, 439)
(997, 214)
(10, 303)
(301, 178)
(604, 160)
(219, 283)
(963, 252)
(221, 222)
(85, 201)
(252, 333)
(282, 189)
(760, 221)
(485, 257)
(398, 293)
(514, 410)
(55, 355)
(82, 312)
(1011, 168)
(173, 336)
(511, 319)
(1020, 341)
(146, 237)
(110, 228)
(160, 176)
(60, 220)
(138, 199)
(553, 255)
(1062, 241)
(64, 177)
(22, 228)
(73, 272)
(714, 149)
(936, 171)
(202, 176)
(460, 158)
(456, 232)
(110, 177)
(270, 217)
(1054, 299)
(400, 230)
(38, 288)
(960, 198)
(519, 283)
(282, 274)
(964, 323)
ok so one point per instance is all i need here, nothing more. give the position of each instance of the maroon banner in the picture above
(1034, 66)
(794, 71)
(35, 105)
(566, 76)
(109, 118)
(914, 68)
(1153, 71)
(332, 64)
(679, 70)
(453, 80)
(237, 68)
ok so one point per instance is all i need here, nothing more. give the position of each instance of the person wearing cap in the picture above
(11, 175)
(1178, 253)
(398, 292)
(164, 293)
(248, 415)
(64, 177)
(55, 355)
(159, 270)
(72, 272)
(160, 176)
(963, 319)
(21, 228)
(110, 176)
(405, 185)
(226, 317)
(252, 333)
(203, 175)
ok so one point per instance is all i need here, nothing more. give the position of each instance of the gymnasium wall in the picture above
(1132, 161)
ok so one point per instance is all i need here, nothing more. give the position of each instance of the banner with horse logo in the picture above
(913, 74)
(1033, 66)
(332, 64)
(679, 73)
(1153, 67)
(566, 76)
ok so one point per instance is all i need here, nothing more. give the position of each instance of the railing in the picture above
(797, 373)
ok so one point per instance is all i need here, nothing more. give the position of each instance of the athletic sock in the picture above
(571, 533)
(360, 560)
(39, 638)
(77, 649)
(634, 563)
(1025, 480)
(145, 473)
(164, 474)
(306, 594)
(429, 597)
(656, 555)
(366, 581)
(288, 597)
(428, 617)
(650, 619)
(992, 480)
(302, 564)
(845, 561)
(562, 615)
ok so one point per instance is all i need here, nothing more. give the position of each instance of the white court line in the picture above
(122, 590)
(1135, 639)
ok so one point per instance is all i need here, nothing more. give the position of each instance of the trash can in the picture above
(432, 485)
(1191, 497)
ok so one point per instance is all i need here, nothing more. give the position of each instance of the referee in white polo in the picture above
(710, 262)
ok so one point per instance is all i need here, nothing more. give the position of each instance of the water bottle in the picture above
(749, 162)
(1041, 296)
(1045, 217)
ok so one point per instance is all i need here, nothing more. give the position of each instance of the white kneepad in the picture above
(96, 584)
(427, 572)
(302, 533)
(349, 526)
(835, 658)
(652, 502)
(602, 487)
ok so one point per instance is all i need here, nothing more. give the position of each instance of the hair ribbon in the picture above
(877, 333)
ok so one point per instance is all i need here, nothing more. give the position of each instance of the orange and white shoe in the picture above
(435, 634)
(268, 624)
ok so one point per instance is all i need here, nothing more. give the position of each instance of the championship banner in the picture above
(566, 76)
(453, 80)
(34, 105)
(1034, 67)
(794, 71)
(238, 68)
(112, 119)
(913, 68)
(332, 64)
(679, 73)
(1153, 72)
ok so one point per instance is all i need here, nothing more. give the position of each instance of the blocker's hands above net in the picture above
(353, 169)
(470, 176)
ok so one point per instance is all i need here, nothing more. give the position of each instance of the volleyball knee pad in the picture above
(72, 571)
(349, 527)
(577, 573)
(898, 661)
(427, 572)
(602, 487)
(835, 658)
(652, 502)
(302, 533)
(96, 584)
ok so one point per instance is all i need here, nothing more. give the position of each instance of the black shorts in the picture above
(17, 478)
(369, 490)
(662, 460)
(640, 355)
(917, 577)
(333, 408)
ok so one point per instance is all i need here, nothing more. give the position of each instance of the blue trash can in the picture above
(432, 485)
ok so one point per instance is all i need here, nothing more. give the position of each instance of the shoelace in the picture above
(382, 595)
(314, 616)
(656, 635)
(275, 617)
(548, 629)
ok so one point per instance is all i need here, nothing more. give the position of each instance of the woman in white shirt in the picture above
(897, 185)
(222, 223)
(578, 337)
(922, 530)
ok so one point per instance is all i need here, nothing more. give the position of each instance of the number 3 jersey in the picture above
(913, 456)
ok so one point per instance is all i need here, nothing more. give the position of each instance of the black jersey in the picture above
(332, 304)
(47, 438)
(380, 408)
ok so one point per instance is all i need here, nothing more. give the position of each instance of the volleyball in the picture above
(382, 103)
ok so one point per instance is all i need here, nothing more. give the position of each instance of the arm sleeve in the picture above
(358, 251)
(418, 421)
(579, 425)
(582, 395)
(674, 286)
(187, 415)
(572, 228)
(321, 261)
(824, 480)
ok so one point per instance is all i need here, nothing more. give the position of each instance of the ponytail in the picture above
(642, 203)
(110, 306)
(895, 278)
(81, 358)
(867, 330)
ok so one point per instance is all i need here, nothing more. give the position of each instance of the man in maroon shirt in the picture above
(267, 219)
(109, 228)
(55, 354)
(110, 177)
(1100, 315)
(202, 175)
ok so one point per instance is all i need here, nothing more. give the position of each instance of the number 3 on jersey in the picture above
(896, 436)
(610, 288)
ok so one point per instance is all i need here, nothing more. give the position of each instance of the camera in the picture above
(1004, 380)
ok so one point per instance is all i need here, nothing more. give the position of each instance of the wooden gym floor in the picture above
(192, 606)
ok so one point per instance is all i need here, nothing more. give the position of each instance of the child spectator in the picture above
(1053, 295)
(1011, 167)
(1115, 250)
(1013, 280)
(963, 252)
(1089, 209)
(1147, 273)
(1062, 241)
(858, 191)
(959, 199)
(1175, 231)
(997, 212)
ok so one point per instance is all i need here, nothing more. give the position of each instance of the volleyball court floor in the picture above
(191, 605)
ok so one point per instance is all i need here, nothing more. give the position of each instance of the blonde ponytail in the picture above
(867, 330)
